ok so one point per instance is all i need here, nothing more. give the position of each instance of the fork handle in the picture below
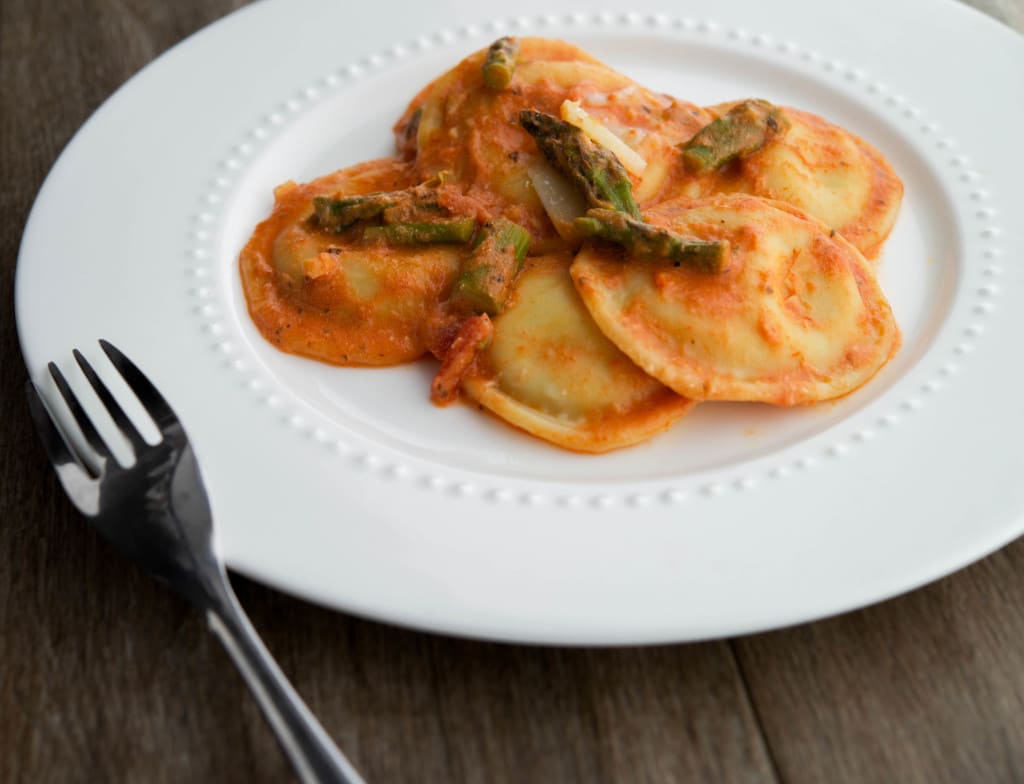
(308, 746)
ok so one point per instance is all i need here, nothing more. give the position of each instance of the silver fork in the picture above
(157, 513)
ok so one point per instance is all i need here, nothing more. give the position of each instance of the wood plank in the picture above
(414, 707)
(645, 715)
(926, 688)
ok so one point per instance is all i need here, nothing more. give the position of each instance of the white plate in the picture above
(347, 487)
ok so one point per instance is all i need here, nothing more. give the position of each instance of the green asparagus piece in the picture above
(500, 62)
(337, 214)
(742, 131)
(486, 278)
(412, 205)
(645, 241)
(594, 169)
(451, 230)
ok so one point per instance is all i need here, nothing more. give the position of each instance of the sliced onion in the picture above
(561, 199)
(574, 114)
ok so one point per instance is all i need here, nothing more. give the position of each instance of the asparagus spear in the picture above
(593, 168)
(411, 205)
(450, 230)
(337, 214)
(650, 242)
(741, 131)
(500, 62)
(486, 278)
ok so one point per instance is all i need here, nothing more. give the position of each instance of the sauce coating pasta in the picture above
(587, 258)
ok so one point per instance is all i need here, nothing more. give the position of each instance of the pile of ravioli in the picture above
(594, 350)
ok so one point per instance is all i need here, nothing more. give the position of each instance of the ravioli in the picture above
(823, 170)
(796, 316)
(339, 298)
(462, 247)
(551, 372)
(459, 124)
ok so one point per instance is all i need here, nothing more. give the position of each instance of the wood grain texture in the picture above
(104, 676)
(929, 686)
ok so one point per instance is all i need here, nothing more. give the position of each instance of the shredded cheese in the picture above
(574, 114)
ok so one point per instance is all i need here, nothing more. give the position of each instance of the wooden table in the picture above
(105, 676)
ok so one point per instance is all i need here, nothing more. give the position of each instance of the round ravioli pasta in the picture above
(336, 297)
(796, 316)
(459, 124)
(822, 169)
(549, 371)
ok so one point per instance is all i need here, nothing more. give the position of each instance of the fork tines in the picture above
(152, 401)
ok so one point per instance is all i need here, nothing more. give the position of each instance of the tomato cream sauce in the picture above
(337, 297)
(591, 345)
(457, 124)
